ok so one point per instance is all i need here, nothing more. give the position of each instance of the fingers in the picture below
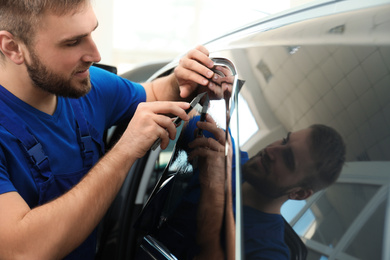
(203, 146)
(170, 107)
(206, 145)
(194, 68)
(215, 90)
(198, 61)
(195, 74)
(201, 54)
(225, 71)
(194, 71)
(221, 83)
(211, 126)
(166, 127)
(151, 122)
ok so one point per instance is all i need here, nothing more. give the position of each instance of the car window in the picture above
(327, 63)
(332, 69)
(364, 248)
(171, 201)
(333, 213)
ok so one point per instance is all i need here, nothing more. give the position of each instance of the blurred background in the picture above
(138, 32)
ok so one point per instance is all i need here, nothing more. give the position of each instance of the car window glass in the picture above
(245, 115)
(360, 247)
(323, 70)
(169, 215)
(291, 208)
(364, 248)
(341, 204)
(327, 70)
(161, 163)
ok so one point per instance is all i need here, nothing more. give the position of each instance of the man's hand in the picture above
(211, 154)
(150, 123)
(194, 74)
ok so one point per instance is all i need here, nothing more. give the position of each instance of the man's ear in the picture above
(11, 48)
(300, 194)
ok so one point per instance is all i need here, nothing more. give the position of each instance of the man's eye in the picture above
(285, 140)
(73, 43)
(289, 160)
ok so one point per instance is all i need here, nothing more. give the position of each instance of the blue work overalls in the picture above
(51, 186)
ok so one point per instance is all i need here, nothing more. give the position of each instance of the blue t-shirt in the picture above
(111, 100)
(264, 235)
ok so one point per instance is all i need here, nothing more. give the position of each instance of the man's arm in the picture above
(53, 230)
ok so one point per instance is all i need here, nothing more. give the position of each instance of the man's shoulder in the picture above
(101, 75)
(258, 222)
(103, 79)
(264, 235)
(261, 216)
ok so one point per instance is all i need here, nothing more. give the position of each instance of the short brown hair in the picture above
(21, 17)
(328, 152)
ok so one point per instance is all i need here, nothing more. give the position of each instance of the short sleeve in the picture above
(5, 182)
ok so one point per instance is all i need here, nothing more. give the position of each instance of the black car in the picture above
(328, 63)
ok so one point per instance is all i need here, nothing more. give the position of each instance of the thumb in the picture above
(185, 91)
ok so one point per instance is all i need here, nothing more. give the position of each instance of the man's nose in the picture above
(273, 151)
(93, 54)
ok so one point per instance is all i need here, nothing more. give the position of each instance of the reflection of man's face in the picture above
(281, 166)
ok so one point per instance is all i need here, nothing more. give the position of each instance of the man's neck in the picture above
(256, 200)
(17, 81)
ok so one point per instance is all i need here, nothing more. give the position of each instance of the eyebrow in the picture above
(76, 37)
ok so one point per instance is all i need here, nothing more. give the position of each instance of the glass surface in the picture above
(368, 242)
(291, 208)
(299, 69)
(173, 212)
(246, 116)
(312, 255)
(327, 70)
(332, 214)
(332, 70)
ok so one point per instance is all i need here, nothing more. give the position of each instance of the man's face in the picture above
(62, 53)
(281, 166)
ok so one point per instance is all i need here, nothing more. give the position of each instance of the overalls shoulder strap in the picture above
(86, 134)
(39, 161)
(34, 152)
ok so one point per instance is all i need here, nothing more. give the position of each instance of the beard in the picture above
(262, 182)
(49, 81)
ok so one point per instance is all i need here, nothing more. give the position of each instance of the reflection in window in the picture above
(165, 155)
(306, 225)
(312, 255)
(291, 208)
(327, 220)
(364, 248)
(248, 125)
(180, 164)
